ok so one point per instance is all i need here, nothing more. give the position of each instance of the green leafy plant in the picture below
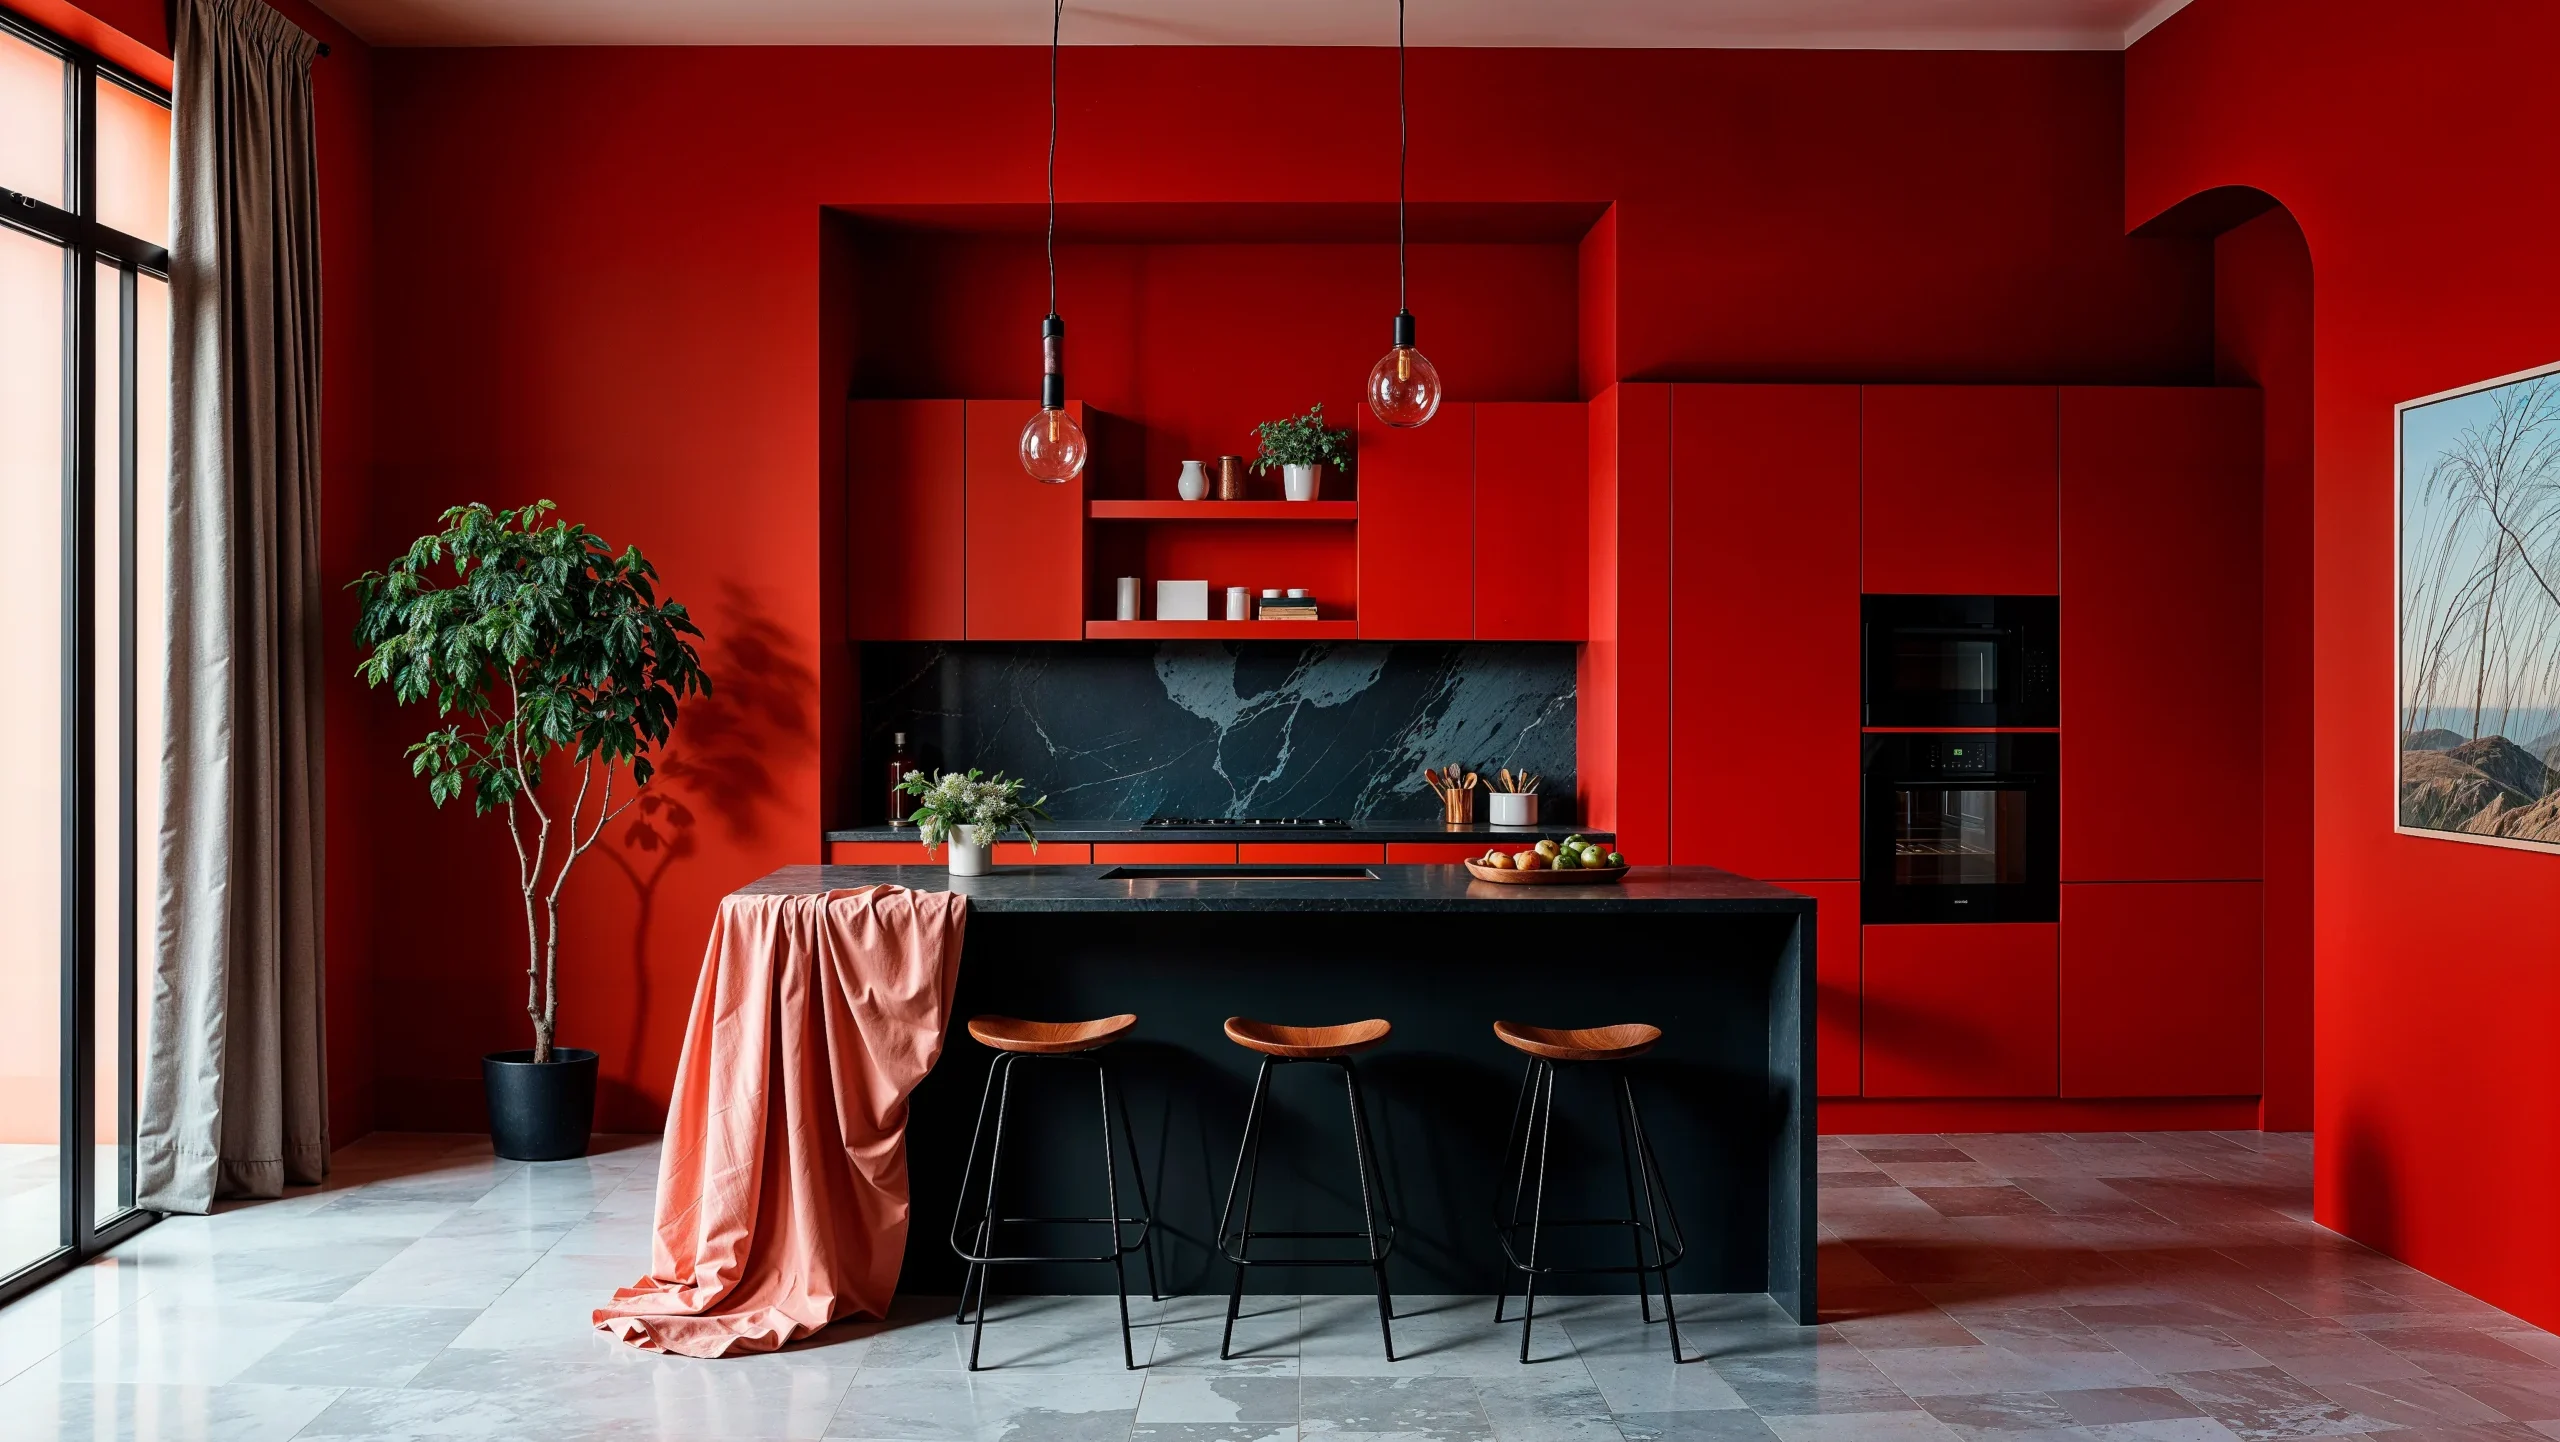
(972, 806)
(539, 645)
(1302, 441)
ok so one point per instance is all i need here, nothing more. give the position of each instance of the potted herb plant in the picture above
(970, 812)
(1298, 445)
(550, 658)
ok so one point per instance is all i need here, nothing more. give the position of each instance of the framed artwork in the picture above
(2477, 671)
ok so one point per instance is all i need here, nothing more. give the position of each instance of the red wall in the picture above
(602, 283)
(2402, 139)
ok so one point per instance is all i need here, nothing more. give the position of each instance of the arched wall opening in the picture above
(2262, 338)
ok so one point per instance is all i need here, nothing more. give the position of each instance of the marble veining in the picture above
(1212, 728)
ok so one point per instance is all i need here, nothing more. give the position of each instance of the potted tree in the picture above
(1299, 445)
(549, 656)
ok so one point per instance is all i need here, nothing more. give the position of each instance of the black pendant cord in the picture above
(1057, 15)
(1403, 144)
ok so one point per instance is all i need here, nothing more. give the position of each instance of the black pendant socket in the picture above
(1404, 328)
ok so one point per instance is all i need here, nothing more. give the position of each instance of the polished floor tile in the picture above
(2116, 1287)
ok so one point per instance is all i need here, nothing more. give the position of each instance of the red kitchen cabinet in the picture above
(1532, 521)
(1959, 490)
(2162, 990)
(1417, 528)
(903, 489)
(1164, 853)
(1024, 571)
(1836, 984)
(1435, 853)
(1959, 1011)
(1310, 853)
(912, 853)
(2161, 753)
(1764, 629)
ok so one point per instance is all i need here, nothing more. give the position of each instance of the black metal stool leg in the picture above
(1146, 1207)
(960, 1208)
(1362, 1159)
(1248, 1174)
(1515, 1160)
(1111, 1209)
(1649, 1171)
(987, 1223)
(1627, 1173)
(1538, 1212)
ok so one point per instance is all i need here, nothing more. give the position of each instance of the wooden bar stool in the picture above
(1606, 1049)
(1283, 1046)
(1016, 1041)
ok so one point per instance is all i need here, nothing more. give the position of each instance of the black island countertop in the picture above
(1369, 832)
(1373, 888)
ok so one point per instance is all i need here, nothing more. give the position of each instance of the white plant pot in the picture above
(967, 859)
(1514, 808)
(1298, 483)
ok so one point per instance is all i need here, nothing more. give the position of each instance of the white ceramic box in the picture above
(1182, 600)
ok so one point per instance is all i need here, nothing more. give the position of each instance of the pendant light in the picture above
(1404, 387)
(1052, 443)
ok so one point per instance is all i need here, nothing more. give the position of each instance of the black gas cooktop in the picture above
(1255, 823)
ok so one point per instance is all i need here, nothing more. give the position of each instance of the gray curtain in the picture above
(234, 1099)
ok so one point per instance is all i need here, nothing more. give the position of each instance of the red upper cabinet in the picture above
(903, 488)
(1533, 521)
(2162, 990)
(1417, 527)
(1959, 490)
(1764, 630)
(1024, 575)
(2161, 775)
(1959, 1011)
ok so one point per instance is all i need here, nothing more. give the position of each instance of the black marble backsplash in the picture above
(1128, 730)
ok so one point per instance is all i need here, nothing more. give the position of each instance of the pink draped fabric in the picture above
(782, 1195)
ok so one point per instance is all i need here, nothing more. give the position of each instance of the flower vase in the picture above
(967, 857)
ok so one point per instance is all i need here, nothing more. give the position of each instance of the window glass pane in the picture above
(111, 830)
(32, 153)
(133, 163)
(31, 298)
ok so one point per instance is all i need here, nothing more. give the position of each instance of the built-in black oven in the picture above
(1960, 661)
(1960, 826)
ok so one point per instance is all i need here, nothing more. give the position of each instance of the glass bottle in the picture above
(900, 803)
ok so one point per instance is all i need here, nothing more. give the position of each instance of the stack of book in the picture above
(1284, 608)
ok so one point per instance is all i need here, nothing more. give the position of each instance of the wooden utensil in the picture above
(1471, 781)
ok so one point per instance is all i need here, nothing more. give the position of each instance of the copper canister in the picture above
(1231, 478)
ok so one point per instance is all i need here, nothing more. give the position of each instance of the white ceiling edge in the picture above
(2010, 25)
(2151, 20)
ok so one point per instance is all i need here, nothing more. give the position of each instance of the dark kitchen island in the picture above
(1723, 964)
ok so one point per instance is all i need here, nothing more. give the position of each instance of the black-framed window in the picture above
(84, 448)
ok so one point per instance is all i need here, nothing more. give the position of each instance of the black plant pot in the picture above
(540, 1112)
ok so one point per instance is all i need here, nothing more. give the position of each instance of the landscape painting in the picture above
(2479, 642)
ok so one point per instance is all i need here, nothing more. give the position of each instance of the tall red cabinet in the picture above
(1959, 490)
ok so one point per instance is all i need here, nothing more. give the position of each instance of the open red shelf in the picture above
(1223, 510)
(1222, 630)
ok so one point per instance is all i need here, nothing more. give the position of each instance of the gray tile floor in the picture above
(2155, 1288)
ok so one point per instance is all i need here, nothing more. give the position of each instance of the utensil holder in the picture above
(1460, 803)
(1513, 808)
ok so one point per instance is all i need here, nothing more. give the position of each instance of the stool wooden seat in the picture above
(1049, 1038)
(1581, 1043)
(1307, 1043)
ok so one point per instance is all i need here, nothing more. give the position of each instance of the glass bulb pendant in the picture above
(1053, 445)
(1404, 387)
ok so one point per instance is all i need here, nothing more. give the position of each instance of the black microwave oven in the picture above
(1961, 661)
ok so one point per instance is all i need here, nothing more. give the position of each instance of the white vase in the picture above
(1194, 484)
(1298, 483)
(967, 858)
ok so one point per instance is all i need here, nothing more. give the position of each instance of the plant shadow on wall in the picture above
(717, 758)
(555, 669)
(2479, 613)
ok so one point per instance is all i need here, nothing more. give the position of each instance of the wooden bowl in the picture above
(1578, 876)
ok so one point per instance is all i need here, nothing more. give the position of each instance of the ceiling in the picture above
(1741, 24)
